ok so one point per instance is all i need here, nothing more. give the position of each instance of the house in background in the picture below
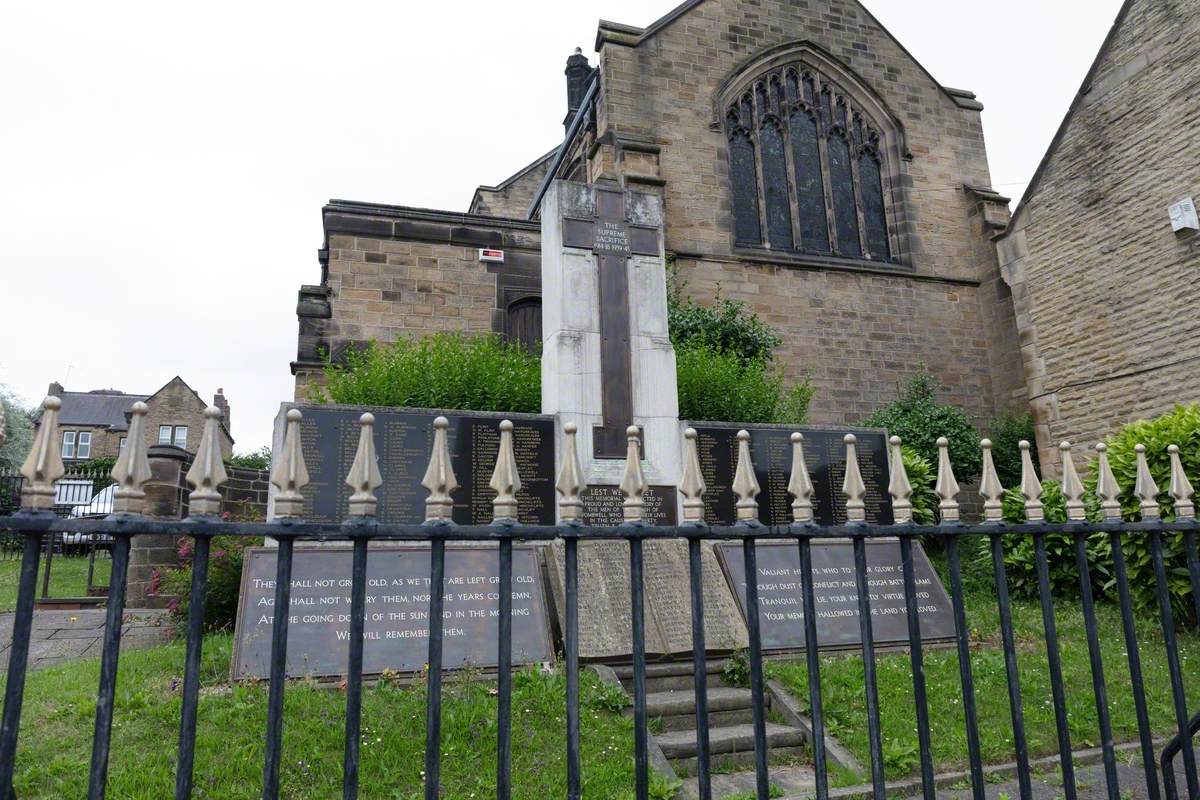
(95, 424)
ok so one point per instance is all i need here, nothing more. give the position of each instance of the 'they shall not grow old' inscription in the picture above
(396, 625)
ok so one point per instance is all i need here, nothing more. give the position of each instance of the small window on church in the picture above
(807, 168)
(524, 324)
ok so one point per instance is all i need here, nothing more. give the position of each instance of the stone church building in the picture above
(808, 165)
(1103, 250)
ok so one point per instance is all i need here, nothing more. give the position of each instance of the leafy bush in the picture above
(922, 477)
(918, 419)
(479, 372)
(1020, 553)
(717, 386)
(225, 557)
(256, 459)
(728, 326)
(1007, 431)
(1181, 427)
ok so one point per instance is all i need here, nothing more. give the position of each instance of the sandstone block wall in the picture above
(1102, 285)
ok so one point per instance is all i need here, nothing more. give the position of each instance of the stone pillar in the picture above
(166, 497)
(572, 311)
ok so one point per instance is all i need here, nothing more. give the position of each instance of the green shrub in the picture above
(479, 372)
(225, 558)
(1007, 431)
(918, 419)
(728, 326)
(256, 459)
(922, 477)
(1020, 553)
(716, 386)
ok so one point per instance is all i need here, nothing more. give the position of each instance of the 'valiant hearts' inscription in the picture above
(403, 441)
(396, 625)
(781, 604)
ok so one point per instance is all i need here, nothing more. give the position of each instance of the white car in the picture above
(101, 505)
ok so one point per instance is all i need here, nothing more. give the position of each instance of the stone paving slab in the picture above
(58, 636)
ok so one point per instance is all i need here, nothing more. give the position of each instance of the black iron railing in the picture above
(362, 532)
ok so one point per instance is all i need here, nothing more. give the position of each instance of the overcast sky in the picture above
(163, 165)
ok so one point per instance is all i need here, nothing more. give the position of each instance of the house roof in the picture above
(1084, 88)
(102, 408)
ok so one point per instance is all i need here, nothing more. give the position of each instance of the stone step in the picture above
(671, 676)
(716, 719)
(682, 702)
(743, 762)
(791, 780)
(732, 739)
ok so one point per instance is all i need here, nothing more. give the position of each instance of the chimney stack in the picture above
(55, 390)
(220, 402)
(577, 73)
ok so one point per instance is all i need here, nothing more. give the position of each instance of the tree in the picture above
(18, 431)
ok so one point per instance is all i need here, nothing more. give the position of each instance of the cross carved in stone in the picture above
(613, 239)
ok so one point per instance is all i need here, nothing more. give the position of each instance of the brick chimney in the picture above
(220, 402)
(55, 390)
(577, 73)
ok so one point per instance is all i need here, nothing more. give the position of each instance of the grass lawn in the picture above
(845, 703)
(56, 725)
(68, 577)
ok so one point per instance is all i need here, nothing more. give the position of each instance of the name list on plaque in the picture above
(403, 441)
(771, 451)
(396, 624)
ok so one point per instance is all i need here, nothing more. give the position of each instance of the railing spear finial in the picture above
(852, 485)
(570, 484)
(990, 487)
(364, 477)
(1144, 487)
(800, 485)
(208, 469)
(633, 483)
(691, 485)
(899, 486)
(1072, 487)
(439, 477)
(290, 474)
(1031, 487)
(506, 481)
(43, 466)
(947, 485)
(1181, 487)
(132, 470)
(1107, 488)
(745, 483)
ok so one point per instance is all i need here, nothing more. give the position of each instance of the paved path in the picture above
(62, 636)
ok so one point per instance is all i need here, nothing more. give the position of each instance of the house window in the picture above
(176, 435)
(164, 434)
(85, 445)
(807, 167)
(181, 436)
(68, 444)
(124, 441)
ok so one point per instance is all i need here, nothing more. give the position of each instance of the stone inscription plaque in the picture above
(403, 441)
(603, 505)
(396, 629)
(771, 451)
(781, 604)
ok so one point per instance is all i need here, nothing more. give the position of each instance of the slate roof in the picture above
(100, 408)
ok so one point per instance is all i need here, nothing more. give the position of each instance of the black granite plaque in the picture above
(771, 451)
(397, 611)
(781, 604)
(603, 505)
(403, 442)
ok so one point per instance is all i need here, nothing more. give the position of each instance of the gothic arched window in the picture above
(808, 170)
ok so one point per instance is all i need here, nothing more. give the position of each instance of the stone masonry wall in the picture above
(860, 331)
(1103, 287)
